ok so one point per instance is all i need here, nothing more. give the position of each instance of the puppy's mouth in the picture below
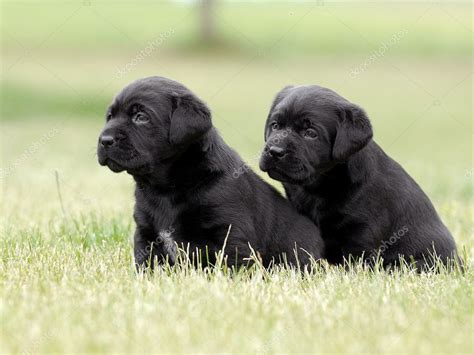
(293, 176)
(112, 165)
(291, 173)
(133, 164)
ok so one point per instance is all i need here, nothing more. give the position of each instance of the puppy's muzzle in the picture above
(110, 139)
(106, 141)
(276, 152)
(272, 156)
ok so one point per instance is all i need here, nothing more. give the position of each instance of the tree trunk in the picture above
(207, 21)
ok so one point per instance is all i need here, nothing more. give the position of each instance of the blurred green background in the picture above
(408, 64)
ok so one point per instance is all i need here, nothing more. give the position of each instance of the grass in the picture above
(67, 277)
(80, 273)
(73, 289)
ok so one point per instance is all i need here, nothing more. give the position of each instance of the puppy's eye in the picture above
(275, 126)
(108, 116)
(140, 119)
(310, 133)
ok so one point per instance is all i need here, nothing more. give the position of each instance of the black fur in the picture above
(333, 172)
(187, 190)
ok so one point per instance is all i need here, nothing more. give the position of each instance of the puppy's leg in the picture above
(141, 249)
(147, 248)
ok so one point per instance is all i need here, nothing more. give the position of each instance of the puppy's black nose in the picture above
(107, 141)
(276, 152)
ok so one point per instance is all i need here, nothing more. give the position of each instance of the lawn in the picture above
(67, 277)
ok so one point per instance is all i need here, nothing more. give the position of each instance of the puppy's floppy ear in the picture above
(354, 131)
(279, 97)
(190, 118)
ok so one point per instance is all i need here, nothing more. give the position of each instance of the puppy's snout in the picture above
(110, 138)
(107, 141)
(276, 152)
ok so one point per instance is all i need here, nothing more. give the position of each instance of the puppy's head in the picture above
(149, 123)
(310, 128)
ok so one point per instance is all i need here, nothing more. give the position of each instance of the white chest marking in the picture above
(169, 246)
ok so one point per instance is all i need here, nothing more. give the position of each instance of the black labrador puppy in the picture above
(187, 190)
(333, 172)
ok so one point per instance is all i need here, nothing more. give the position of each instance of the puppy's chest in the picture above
(186, 221)
(325, 213)
(306, 204)
(170, 219)
(164, 215)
